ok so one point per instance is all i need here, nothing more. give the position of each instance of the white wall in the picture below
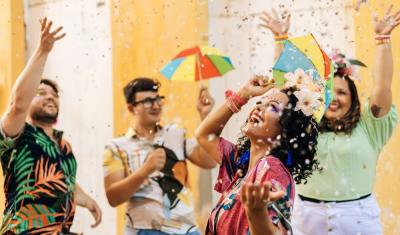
(233, 28)
(81, 64)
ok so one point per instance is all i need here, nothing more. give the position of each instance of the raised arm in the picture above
(211, 127)
(199, 156)
(381, 97)
(25, 87)
(279, 26)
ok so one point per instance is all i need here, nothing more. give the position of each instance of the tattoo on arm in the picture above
(375, 109)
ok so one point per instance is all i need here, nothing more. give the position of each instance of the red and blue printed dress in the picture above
(39, 183)
(229, 216)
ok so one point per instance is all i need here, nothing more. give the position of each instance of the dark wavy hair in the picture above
(297, 144)
(349, 121)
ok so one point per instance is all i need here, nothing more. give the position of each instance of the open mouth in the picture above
(334, 107)
(50, 105)
(256, 119)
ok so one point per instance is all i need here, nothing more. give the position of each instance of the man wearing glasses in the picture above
(146, 167)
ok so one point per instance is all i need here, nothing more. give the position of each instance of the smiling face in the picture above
(263, 121)
(341, 103)
(147, 107)
(45, 106)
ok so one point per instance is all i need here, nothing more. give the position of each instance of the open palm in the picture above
(279, 25)
(48, 38)
(389, 22)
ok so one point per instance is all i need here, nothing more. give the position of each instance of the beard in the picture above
(41, 115)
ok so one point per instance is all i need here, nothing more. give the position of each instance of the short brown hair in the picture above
(53, 84)
(137, 85)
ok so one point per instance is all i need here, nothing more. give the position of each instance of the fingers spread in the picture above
(266, 15)
(388, 11)
(275, 13)
(48, 26)
(56, 31)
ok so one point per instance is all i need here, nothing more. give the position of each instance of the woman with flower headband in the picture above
(338, 199)
(256, 175)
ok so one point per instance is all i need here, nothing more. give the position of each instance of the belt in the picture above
(327, 201)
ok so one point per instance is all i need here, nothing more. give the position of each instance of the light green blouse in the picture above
(349, 161)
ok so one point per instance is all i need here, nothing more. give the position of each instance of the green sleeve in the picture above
(379, 130)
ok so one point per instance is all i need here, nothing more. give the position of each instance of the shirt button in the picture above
(330, 229)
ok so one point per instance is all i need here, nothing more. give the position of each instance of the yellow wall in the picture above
(12, 46)
(388, 176)
(145, 36)
(12, 55)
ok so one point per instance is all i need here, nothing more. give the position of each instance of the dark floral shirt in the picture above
(39, 183)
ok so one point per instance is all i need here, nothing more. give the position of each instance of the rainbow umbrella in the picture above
(196, 64)
(304, 52)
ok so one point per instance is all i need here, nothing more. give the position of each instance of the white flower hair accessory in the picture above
(308, 91)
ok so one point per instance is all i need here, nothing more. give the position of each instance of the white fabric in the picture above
(169, 217)
(360, 217)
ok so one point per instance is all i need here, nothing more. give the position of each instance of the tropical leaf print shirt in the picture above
(39, 183)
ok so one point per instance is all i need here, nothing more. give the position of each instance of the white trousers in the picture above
(360, 217)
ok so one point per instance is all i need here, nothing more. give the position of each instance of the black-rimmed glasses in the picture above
(149, 102)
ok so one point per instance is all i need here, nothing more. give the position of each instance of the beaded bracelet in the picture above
(234, 101)
(281, 37)
(380, 37)
(232, 106)
(382, 41)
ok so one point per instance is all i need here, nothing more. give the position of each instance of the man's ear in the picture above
(131, 108)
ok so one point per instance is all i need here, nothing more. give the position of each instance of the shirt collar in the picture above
(131, 133)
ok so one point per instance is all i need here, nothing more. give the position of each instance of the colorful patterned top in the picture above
(165, 193)
(39, 183)
(229, 216)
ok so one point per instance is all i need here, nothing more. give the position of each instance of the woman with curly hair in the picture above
(339, 199)
(255, 176)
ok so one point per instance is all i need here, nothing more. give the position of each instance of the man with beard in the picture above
(38, 164)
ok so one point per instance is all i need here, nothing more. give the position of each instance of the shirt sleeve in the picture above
(228, 168)
(190, 144)
(379, 130)
(112, 160)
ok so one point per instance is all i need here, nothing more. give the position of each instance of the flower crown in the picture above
(346, 65)
(308, 91)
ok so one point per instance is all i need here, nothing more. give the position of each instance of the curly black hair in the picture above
(350, 120)
(296, 147)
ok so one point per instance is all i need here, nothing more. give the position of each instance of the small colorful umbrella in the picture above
(196, 64)
(305, 53)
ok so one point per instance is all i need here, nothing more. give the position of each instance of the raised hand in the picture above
(47, 37)
(279, 25)
(256, 86)
(389, 22)
(255, 197)
(205, 102)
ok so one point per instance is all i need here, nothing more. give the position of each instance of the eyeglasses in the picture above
(149, 102)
